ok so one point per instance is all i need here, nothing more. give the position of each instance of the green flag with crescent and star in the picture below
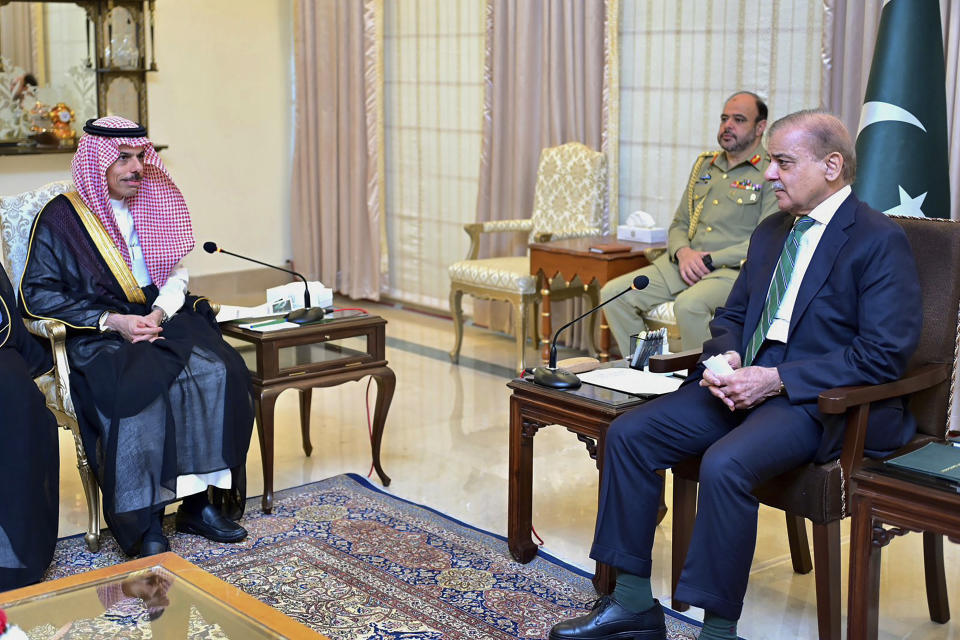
(902, 142)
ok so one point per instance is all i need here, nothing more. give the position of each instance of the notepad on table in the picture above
(632, 381)
(610, 247)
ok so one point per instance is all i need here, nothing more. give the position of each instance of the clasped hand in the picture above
(690, 263)
(136, 328)
(746, 387)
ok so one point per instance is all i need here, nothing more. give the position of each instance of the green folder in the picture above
(935, 459)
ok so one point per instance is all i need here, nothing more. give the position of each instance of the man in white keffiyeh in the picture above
(163, 402)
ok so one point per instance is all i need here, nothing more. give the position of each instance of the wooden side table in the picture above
(906, 502)
(586, 412)
(318, 355)
(572, 258)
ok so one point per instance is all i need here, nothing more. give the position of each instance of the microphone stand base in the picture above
(555, 378)
(305, 316)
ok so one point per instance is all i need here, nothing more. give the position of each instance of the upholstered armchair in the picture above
(16, 219)
(818, 492)
(568, 203)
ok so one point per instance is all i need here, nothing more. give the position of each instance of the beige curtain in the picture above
(545, 81)
(849, 36)
(681, 60)
(337, 191)
(17, 34)
(433, 93)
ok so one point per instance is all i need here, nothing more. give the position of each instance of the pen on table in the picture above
(268, 322)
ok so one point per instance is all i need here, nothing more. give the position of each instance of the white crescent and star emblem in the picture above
(874, 112)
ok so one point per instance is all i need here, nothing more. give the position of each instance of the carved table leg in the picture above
(305, 396)
(546, 330)
(605, 575)
(520, 492)
(264, 408)
(386, 383)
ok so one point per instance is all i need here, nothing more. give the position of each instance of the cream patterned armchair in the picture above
(16, 219)
(568, 203)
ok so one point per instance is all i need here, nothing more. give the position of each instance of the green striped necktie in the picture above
(781, 280)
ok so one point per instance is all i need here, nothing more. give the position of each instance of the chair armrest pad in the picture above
(50, 329)
(675, 361)
(653, 254)
(491, 226)
(839, 399)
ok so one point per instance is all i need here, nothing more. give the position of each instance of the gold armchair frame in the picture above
(61, 405)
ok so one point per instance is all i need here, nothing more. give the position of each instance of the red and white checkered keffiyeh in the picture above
(159, 211)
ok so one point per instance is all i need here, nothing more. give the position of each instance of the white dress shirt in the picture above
(174, 290)
(822, 215)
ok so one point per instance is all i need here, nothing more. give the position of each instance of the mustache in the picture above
(133, 176)
(777, 186)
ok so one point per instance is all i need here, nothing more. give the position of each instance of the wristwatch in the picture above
(163, 314)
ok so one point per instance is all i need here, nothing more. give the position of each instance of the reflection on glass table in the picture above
(171, 599)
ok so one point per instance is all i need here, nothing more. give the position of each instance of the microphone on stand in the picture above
(298, 316)
(551, 376)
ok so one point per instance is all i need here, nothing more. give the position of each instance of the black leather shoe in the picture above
(154, 546)
(210, 524)
(610, 621)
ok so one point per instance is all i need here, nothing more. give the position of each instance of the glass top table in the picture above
(163, 596)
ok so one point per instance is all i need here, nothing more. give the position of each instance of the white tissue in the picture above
(641, 219)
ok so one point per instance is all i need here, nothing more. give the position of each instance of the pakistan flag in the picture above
(902, 142)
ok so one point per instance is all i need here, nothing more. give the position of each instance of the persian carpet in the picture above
(353, 562)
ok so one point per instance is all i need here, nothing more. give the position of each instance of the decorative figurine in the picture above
(62, 117)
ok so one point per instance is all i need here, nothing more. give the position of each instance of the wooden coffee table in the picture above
(586, 412)
(572, 258)
(335, 351)
(73, 603)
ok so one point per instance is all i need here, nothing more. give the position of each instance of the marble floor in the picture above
(445, 446)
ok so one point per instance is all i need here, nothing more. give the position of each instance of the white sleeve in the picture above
(174, 291)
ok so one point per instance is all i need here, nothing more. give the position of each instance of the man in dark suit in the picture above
(825, 299)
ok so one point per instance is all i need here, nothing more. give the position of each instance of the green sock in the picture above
(633, 592)
(717, 628)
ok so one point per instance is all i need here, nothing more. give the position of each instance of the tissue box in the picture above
(288, 297)
(641, 234)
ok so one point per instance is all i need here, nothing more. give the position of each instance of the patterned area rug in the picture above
(353, 562)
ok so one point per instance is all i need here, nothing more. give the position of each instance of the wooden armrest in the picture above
(675, 361)
(840, 399)
(855, 403)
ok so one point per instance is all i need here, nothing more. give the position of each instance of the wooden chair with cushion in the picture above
(568, 203)
(818, 492)
(16, 219)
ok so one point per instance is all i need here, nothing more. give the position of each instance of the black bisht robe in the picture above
(29, 456)
(148, 412)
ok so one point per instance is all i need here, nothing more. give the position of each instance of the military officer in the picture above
(726, 196)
